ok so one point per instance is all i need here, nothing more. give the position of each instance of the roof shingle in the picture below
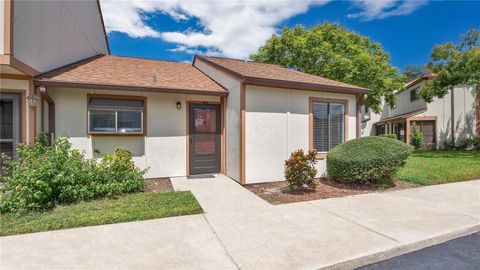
(109, 71)
(274, 73)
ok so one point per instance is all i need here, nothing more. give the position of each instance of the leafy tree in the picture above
(413, 71)
(333, 52)
(454, 65)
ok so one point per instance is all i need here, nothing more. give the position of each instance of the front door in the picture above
(9, 125)
(204, 128)
(401, 132)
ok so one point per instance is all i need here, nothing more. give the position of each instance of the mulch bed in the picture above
(158, 185)
(278, 192)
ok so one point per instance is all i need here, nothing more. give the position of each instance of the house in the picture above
(35, 37)
(457, 114)
(240, 118)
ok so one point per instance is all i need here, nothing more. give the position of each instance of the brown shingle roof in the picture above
(117, 72)
(402, 116)
(274, 75)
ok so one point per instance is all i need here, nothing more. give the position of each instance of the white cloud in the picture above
(380, 9)
(234, 28)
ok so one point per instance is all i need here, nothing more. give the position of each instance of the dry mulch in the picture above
(278, 192)
(157, 185)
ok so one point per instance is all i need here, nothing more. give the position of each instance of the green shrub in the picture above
(417, 137)
(391, 136)
(47, 175)
(476, 143)
(300, 169)
(465, 144)
(449, 145)
(367, 159)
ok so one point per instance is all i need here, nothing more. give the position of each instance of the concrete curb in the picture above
(404, 249)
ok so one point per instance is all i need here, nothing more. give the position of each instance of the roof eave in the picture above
(401, 117)
(129, 88)
(281, 83)
(304, 86)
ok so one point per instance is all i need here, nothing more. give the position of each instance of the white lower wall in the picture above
(162, 150)
(233, 134)
(277, 123)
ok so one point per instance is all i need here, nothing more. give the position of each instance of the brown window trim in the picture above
(421, 119)
(120, 97)
(323, 155)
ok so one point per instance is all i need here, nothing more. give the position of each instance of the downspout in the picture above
(452, 117)
(51, 111)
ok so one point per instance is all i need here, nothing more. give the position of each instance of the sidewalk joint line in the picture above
(221, 243)
(356, 223)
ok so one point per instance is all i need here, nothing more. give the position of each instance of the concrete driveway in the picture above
(241, 231)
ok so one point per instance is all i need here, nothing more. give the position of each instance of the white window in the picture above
(115, 116)
(328, 124)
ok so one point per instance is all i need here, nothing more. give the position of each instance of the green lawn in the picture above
(139, 206)
(436, 167)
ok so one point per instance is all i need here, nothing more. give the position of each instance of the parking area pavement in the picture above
(240, 230)
(462, 253)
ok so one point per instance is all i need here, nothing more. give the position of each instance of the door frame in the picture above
(222, 132)
(17, 138)
(23, 119)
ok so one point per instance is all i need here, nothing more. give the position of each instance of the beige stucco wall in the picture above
(367, 127)
(464, 114)
(232, 117)
(404, 105)
(163, 149)
(49, 34)
(277, 123)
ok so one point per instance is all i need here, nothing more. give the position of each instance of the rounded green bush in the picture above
(390, 136)
(367, 159)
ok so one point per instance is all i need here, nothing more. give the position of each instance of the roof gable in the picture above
(275, 75)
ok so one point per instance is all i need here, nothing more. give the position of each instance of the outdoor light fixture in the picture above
(32, 100)
(179, 105)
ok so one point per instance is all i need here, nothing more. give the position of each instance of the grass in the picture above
(139, 206)
(427, 167)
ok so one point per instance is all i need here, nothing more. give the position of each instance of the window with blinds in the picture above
(328, 125)
(115, 115)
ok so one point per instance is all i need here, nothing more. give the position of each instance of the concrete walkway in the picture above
(240, 230)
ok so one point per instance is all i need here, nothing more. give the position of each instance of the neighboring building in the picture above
(215, 115)
(433, 119)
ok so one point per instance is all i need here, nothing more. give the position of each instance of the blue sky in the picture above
(407, 29)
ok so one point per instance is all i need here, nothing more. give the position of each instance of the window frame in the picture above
(311, 100)
(366, 116)
(416, 96)
(118, 97)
